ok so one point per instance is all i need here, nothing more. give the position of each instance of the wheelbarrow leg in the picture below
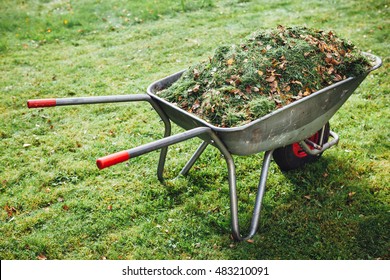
(233, 191)
(167, 132)
(163, 153)
(194, 158)
(259, 198)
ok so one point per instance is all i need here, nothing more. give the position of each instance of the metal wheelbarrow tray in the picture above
(290, 126)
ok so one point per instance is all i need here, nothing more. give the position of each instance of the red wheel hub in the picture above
(297, 149)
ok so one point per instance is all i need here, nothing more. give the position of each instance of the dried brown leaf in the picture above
(196, 88)
(10, 210)
(335, 62)
(337, 78)
(274, 86)
(196, 73)
(235, 91)
(297, 82)
(41, 257)
(196, 105)
(328, 58)
(307, 92)
(270, 79)
(330, 70)
(351, 194)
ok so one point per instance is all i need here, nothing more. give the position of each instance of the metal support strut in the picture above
(317, 149)
(194, 158)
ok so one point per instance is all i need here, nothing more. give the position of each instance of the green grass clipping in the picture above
(268, 70)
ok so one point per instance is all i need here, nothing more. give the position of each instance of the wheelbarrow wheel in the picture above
(293, 156)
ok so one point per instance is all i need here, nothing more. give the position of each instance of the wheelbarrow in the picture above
(293, 135)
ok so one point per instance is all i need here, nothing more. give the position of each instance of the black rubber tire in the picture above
(293, 157)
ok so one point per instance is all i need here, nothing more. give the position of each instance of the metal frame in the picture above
(168, 140)
(318, 149)
(216, 141)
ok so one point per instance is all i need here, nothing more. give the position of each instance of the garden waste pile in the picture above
(241, 83)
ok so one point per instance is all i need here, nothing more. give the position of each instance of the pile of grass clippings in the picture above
(241, 83)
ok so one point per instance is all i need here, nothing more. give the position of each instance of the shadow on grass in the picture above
(330, 213)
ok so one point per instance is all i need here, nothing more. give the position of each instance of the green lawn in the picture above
(55, 203)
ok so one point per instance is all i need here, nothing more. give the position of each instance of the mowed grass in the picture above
(56, 204)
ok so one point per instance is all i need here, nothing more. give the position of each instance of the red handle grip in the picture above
(109, 160)
(36, 103)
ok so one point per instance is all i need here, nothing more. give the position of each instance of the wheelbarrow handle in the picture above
(122, 156)
(51, 102)
(38, 103)
(113, 159)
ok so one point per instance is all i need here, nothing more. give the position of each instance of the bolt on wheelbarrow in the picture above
(293, 135)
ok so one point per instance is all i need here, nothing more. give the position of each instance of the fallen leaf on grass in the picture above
(270, 79)
(10, 210)
(196, 73)
(41, 257)
(65, 207)
(350, 198)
